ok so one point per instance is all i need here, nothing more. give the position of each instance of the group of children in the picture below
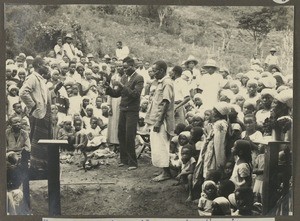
(81, 112)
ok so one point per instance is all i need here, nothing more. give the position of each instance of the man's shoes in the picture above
(121, 164)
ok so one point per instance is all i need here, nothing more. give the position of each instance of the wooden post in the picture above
(270, 176)
(53, 175)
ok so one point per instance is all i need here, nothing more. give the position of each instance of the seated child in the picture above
(12, 98)
(225, 188)
(244, 199)
(175, 162)
(249, 108)
(18, 112)
(228, 170)
(95, 138)
(221, 207)
(209, 193)
(179, 128)
(189, 117)
(197, 121)
(197, 140)
(67, 132)
(84, 104)
(97, 108)
(75, 101)
(187, 169)
(89, 114)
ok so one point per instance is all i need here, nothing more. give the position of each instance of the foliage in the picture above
(205, 32)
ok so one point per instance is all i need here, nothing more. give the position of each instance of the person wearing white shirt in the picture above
(121, 51)
(68, 47)
(72, 75)
(272, 58)
(58, 49)
(212, 82)
(182, 95)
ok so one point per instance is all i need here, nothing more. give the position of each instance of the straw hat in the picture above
(273, 49)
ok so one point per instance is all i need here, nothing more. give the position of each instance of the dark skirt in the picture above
(40, 129)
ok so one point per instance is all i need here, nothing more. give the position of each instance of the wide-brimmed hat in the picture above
(273, 49)
(69, 36)
(210, 63)
(191, 58)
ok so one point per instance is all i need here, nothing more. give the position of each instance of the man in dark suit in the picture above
(129, 88)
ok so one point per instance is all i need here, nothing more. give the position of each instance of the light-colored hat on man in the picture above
(191, 58)
(69, 36)
(273, 49)
(210, 63)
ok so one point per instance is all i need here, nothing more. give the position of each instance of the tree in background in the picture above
(257, 24)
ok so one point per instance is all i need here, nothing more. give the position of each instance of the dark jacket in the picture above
(131, 92)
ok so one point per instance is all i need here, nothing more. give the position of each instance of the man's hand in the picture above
(118, 83)
(157, 126)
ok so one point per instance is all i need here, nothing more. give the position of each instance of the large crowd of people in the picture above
(208, 127)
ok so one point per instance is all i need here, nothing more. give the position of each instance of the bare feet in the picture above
(161, 177)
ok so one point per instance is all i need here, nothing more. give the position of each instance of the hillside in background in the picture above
(171, 33)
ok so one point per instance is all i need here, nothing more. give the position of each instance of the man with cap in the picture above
(160, 120)
(129, 88)
(271, 59)
(212, 82)
(69, 48)
(121, 51)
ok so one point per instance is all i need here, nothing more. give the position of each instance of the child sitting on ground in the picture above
(12, 98)
(209, 193)
(187, 169)
(89, 114)
(67, 133)
(95, 138)
(189, 117)
(197, 121)
(244, 199)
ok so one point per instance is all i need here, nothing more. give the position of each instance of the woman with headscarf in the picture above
(213, 153)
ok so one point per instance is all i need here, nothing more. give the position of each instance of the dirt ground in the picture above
(114, 191)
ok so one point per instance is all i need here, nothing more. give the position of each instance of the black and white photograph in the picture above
(149, 110)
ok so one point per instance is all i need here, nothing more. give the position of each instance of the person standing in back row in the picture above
(121, 51)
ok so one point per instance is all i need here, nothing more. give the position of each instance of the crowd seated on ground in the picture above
(222, 119)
